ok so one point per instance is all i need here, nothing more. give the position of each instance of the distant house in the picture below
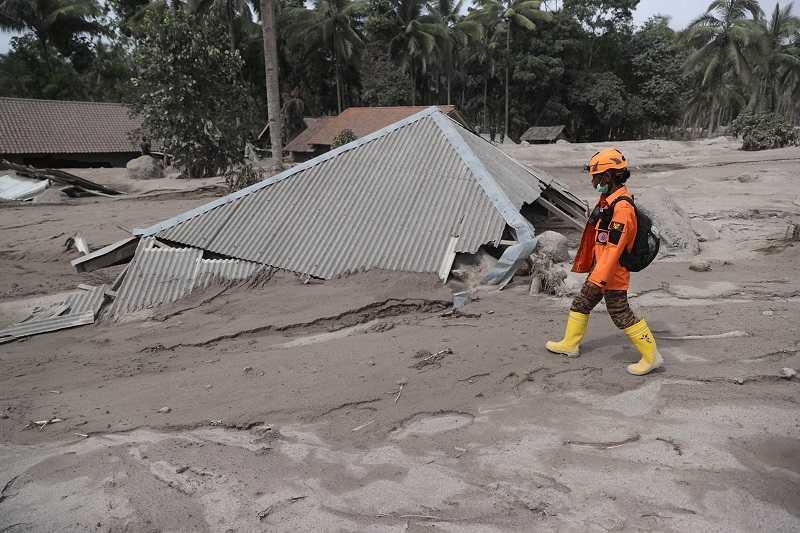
(299, 147)
(319, 134)
(543, 134)
(51, 133)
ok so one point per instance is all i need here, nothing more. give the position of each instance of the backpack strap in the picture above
(628, 199)
(610, 213)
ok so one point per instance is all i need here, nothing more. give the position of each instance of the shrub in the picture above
(764, 131)
(344, 137)
(242, 176)
(188, 89)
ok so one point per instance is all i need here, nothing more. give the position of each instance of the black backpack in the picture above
(646, 243)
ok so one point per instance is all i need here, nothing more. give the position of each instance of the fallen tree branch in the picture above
(603, 445)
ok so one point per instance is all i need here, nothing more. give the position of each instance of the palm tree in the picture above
(269, 30)
(790, 97)
(484, 53)
(502, 16)
(721, 37)
(417, 39)
(776, 58)
(53, 22)
(331, 25)
(460, 33)
(237, 13)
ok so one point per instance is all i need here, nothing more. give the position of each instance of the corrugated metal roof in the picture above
(17, 188)
(156, 276)
(519, 184)
(391, 200)
(392, 203)
(159, 275)
(82, 307)
(223, 269)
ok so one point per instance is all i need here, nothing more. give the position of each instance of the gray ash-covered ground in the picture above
(299, 407)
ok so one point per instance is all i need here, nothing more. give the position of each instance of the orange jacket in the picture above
(603, 242)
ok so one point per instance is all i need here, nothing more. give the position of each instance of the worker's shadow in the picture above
(614, 345)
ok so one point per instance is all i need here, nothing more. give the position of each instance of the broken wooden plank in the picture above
(447, 260)
(560, 213)
(117, 253)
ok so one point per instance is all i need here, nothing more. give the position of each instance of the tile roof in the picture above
(394, 200)
(365, 120)
(63, 127)
(300, 143)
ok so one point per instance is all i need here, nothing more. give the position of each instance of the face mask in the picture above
(602, 189)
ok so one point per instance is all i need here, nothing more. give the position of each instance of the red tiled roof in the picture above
(365, 120)
(300, 143)
(63, 127)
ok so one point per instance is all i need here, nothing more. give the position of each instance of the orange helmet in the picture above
(608, 159)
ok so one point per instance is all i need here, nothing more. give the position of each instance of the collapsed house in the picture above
(409, 197)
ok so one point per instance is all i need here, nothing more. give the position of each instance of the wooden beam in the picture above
(560, 212)
(114, 254)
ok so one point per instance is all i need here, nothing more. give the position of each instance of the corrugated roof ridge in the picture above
(192, 213)
(487, 181)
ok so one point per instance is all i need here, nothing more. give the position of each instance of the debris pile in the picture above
(26, 183)
(76, 309)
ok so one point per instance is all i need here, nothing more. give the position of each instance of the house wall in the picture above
(119, 159)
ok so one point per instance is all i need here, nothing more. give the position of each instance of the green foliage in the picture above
(506, 64)
(385, 85)
(95, 71)
(601, 100)
(243, 175)
(54, 23)
(343, 137)
(189, 91)
(659, 83)
(765, 131)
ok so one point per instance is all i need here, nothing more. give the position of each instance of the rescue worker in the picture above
(611, 230)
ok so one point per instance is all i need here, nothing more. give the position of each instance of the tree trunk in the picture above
(413, 86)
(508, 65)
(485, 104)
(449, 76)
(273, 86)
(46, 54)
(338, 81)
(229, 14)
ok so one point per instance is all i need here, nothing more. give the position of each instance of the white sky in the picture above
(681, 13)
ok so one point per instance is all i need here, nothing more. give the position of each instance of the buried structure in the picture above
(410, 197)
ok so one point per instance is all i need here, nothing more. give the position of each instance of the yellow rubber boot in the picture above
(570, 344)
(642, 339)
